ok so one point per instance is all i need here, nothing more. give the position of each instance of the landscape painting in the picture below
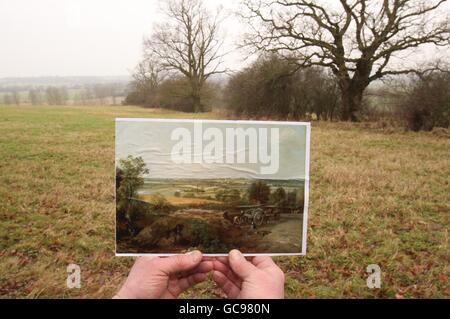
(211, 185)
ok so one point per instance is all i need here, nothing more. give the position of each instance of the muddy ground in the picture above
(285, 235)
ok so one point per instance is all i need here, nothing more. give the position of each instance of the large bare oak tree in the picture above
(188, 43)
(357, 39)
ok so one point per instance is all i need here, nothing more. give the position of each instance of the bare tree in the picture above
(7, 99)
(56, 95)
(357, 39)
(34, 96)
(188, 43)
(86, 95)
(16, 97)
(147, 77)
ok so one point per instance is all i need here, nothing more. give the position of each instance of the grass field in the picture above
(376, 197)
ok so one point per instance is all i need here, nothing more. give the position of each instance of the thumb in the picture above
(179, 263)
(240, 265)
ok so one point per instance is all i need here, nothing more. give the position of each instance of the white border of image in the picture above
(306, 186)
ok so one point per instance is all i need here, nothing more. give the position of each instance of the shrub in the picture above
(259, 192)
(426, 103)
(279, 196)
(160, 203)
(173, 93)
(228, 195)
(273, 87)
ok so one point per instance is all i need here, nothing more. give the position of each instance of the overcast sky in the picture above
(80, 37)
(88, 37)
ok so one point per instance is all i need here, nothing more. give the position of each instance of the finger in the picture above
(143, 263)
(227, 271)
(208, 258)
(268, 265)
(240, 265)
(179, 263)
(223, 260)
(263, 262)
(203, 267)
(217, 265)
(228, 287)
(220, 264)
(185, 283)
(145, 260)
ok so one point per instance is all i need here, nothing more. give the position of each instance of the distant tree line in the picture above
(94, 94)
(11, 98)
(259, 192)
(171, 93)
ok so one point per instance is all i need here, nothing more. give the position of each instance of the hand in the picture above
(155, 277)
(258, 278)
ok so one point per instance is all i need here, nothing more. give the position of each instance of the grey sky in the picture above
(80, 37)
(93, 37)
(152, 141)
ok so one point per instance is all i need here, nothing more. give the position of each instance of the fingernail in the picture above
(195, 256)
(235, 254)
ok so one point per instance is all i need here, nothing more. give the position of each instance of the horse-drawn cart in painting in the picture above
(255, 215)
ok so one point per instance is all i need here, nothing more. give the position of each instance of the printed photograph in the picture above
(210, 185)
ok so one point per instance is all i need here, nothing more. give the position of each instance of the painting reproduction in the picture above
(211, 185)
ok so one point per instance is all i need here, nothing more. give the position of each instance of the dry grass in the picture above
(376, 197)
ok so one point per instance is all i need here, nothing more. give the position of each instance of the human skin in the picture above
(164, 278)
(240, 278)
(256, 278)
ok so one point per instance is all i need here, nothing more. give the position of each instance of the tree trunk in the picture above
(351, 103)
(197, 105)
